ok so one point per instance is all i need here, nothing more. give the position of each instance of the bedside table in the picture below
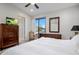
(31, 36)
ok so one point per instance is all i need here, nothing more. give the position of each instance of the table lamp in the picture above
(75, 28)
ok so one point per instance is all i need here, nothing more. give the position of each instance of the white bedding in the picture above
(44, 46)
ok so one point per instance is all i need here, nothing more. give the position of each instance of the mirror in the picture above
(54, 24)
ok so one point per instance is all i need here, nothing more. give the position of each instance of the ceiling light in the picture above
(31, 10)
(32, 3)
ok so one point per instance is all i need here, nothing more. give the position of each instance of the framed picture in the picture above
(54, 24)
(10, 21)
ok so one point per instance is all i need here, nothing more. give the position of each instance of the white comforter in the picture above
(43, 47)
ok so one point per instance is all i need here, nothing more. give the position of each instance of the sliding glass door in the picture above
(40, 25)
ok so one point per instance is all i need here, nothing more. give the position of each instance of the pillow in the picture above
(78, 51)
(66, 45)
(75, 39)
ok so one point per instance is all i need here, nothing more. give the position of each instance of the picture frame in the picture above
(54, 24)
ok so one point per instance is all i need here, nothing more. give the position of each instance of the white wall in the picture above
(68, 18)
(12, 11)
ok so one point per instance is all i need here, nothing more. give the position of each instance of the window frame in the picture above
(39, 23)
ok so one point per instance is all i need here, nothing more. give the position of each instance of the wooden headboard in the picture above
(57, 36)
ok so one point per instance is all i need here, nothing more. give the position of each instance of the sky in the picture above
(42, 22)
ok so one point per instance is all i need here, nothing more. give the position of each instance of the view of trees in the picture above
(41, 27)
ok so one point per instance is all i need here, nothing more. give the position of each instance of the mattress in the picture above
(44, 46)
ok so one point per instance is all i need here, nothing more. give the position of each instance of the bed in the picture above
(45, 46)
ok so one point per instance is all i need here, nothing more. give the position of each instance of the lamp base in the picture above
(76, 33)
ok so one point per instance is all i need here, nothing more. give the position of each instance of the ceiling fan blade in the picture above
(36, 6)
(27, 5)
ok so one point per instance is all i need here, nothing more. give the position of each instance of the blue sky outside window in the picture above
(40, 25)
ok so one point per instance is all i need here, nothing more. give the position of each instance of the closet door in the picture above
(21, 23)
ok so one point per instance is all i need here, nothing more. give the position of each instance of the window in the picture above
(40, 25)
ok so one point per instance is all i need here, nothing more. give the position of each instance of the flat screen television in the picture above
(11, 21)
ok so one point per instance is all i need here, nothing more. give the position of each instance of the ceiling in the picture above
(43, 7)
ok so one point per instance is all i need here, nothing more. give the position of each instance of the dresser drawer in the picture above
(9, 40)
(9, 29)
(9, 34)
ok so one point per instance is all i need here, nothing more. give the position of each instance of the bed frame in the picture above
(57, 36)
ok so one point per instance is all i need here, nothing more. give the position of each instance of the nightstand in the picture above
(31, 36)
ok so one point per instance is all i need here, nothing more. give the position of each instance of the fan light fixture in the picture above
(34, 4)
(31, 10)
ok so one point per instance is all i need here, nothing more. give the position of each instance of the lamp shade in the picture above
(75, 28)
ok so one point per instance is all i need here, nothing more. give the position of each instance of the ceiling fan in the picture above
(31, 4)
